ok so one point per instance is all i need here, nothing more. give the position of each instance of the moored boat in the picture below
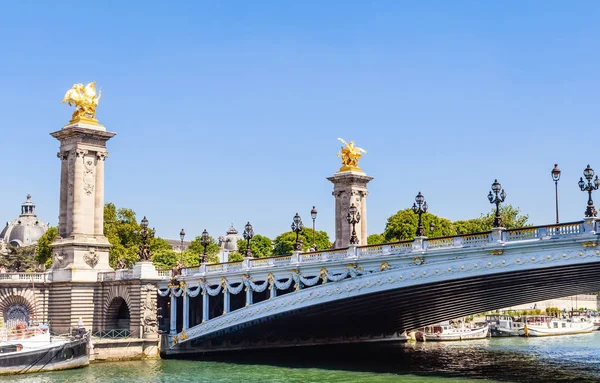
(503, 325)
(446, 332)
(541, 325)
(34, 350)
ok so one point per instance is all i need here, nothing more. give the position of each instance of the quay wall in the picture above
(123, 349)
(574, 302)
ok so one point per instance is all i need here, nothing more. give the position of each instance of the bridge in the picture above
(374, 292)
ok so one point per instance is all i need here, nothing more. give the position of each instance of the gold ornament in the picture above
(350, 155)
(590, 244)
(85, 100)
(496, 252)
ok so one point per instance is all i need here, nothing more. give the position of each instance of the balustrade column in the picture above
(186, 311)
(248, 296)
(173, 318)
(226, 298)
(204, 306)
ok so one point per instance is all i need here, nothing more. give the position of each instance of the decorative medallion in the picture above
(384, 266)
(59, 260)
(590, 244)
(89, 176)
(496, 252)
(418, 261)
(91, 258)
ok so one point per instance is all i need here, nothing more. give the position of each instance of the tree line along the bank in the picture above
(121, 224)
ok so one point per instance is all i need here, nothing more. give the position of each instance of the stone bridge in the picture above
(371, 292)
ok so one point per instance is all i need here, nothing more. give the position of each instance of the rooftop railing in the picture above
(418, 245)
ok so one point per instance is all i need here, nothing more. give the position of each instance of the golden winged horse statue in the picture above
(350, 156)
(85, 100)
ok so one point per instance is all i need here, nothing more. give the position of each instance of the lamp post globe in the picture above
(313, 215)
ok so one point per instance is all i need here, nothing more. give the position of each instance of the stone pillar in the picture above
(350, 187)
(204, 306)
(82, 250)
(226, 300)
(248, 296)
(186, 311)
(173, 317)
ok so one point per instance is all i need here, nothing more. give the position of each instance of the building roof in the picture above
(26, 229)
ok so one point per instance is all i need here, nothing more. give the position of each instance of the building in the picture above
(26, 229)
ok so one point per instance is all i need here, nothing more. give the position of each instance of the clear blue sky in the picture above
(228, 111)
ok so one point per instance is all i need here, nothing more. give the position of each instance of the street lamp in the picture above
(555, 177)
(431, 226)
(588, 174)
(497, 199)
(353, 218)
(204, 241)
(248, 234)
(144, 234)
(420, 207)
(313, 215)
(297, 227)
(181, 235)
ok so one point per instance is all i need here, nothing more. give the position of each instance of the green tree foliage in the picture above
(511, 219)
(260, 246)
(19, 259)
(284, 243)
(196, 250)
(120, 226)
(375, 239)
(403, 226)
(43, 252)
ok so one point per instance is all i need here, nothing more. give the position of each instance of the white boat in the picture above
(445, 332)
(541, 325)
(503, 325)
(34, 349)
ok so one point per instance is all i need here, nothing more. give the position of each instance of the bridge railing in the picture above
(417, 245)
(24, 277)
(117, 275)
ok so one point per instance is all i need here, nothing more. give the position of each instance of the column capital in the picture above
(64, 155)
(81, 152)
(101, 156)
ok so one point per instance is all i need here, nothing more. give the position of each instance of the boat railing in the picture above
(7, 334)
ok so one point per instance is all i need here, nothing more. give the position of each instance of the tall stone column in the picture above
(82, 250)
(350, 187)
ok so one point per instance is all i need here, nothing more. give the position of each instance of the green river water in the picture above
(558, 359)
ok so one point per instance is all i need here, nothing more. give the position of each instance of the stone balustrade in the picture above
(24, 277)
(117, 275)
(416, 246)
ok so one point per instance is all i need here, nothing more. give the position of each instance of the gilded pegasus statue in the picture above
(350, 155)
(85, 100)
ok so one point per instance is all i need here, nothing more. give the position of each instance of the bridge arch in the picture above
(17, 306)
(117, 309)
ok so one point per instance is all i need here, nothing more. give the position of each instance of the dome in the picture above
(25, 230)
(229, 242)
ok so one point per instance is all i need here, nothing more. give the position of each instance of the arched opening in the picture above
(118, 317)
(16, 309)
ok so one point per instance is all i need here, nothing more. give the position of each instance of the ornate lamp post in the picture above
(313, 215)
(144, 234)
(248, 234)
(353, 218)
(297, 227)
(431, 226)
(589, 174)
(555, 177)
(420, 207)
(497, 199)
(182, 236)
(204, 241)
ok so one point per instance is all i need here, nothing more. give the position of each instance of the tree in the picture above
(120, 226)
(43, 252)
(403, 226)
(375, 239)
(260, 246)
(511, 219)
(19, 259)
(285, 243)
(196, 250)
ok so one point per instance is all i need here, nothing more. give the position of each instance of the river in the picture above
(558, 359)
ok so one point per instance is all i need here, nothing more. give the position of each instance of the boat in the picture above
(542, 325)
(33, 349)
(446, 332)
(503, 325)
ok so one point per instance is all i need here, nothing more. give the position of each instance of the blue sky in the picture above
(229, 111)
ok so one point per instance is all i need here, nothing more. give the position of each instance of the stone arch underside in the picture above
(117, 308)
(17, 305)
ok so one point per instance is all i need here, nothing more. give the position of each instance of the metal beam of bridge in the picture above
(365, 291)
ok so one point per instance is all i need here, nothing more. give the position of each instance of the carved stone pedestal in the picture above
(350, 187)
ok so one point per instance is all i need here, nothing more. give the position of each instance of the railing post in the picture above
(419, 244)
(497, 234)
(458, 241)
(542, 233)
(351, 252)
(589, 225)
(173, 318)
(204, 306)
(247, 263)
(185, 310)
(202, 269)
(295, 258)
(385, 249)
